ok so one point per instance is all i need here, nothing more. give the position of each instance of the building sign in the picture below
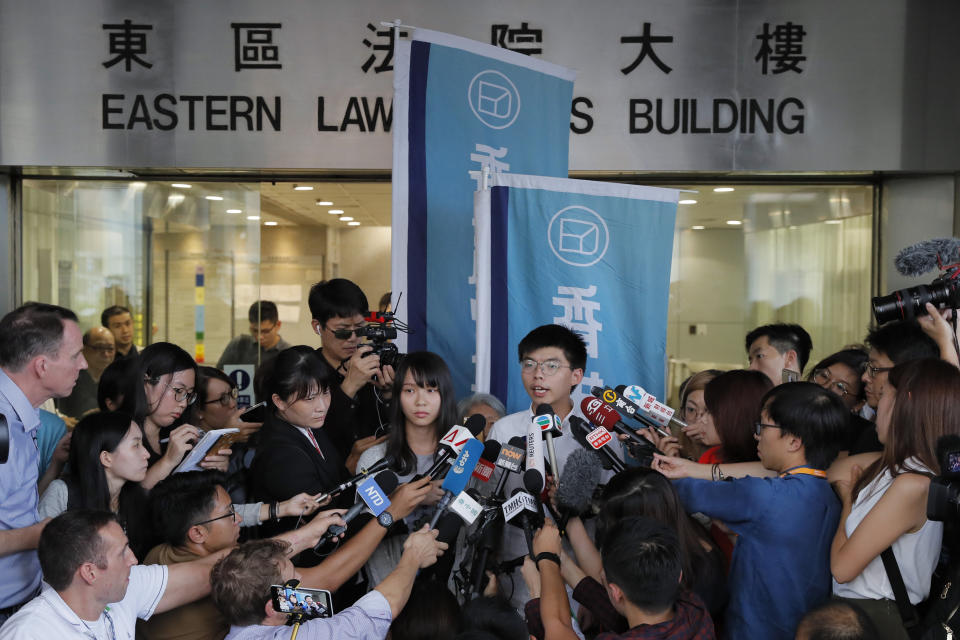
(660, 86)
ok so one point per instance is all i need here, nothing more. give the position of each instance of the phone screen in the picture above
(311, 603)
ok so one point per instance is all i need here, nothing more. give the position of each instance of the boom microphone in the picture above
(373, 494)
(379, 465)
(581, 475)
(928, 255)
(585, 437)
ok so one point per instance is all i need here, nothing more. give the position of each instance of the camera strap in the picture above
(908, 612)
(804, 471)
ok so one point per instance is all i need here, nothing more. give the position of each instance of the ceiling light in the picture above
(297, 187)
(234, 210)
(253, 217)
(335, 211)
(324, 203)
(353, 224)
(698, 227)
(138, 185)
(345, 218)
(180, 185)
(270, 223)
(834, 222)
(687, 202)
(734, 223)
(214, 197)
(722, 189)
(175, 198)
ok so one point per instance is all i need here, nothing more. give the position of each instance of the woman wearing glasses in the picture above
(163, 390)
(884, 505)
(107, 464)
(841, 373)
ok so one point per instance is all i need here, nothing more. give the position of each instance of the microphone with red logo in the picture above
(656, 411)
(603, 416)
(596, 440)
(452, 443)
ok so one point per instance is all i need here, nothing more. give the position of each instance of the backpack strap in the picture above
(908, 613)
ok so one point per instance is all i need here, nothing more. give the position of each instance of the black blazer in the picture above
(286, 463)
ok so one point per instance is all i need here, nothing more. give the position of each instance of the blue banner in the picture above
(461, 107)
(591, 256)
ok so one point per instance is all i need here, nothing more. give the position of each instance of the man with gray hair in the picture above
(41, 355)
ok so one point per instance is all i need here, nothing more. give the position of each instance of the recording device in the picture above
(581, 475)
(256, 413)
(549, 424)
(373, 494)
(596, 440)
(914, 261)
(523, 509)
(307, 603)
(491, 535)
(452, 442)
(614, 399)
(460, 473)
(512, 460)
(379, 465)
(603, 416)
(381, 328)
(943, 499)
(487, 462)
(656, 411)
(4, 439)
(535, 453)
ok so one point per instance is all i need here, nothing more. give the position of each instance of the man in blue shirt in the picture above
(781, 564)
(41, 355)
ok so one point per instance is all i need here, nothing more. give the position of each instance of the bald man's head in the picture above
(99, 349)
(836, 620)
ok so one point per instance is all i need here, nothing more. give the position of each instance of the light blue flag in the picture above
(592, 256)
(461, 106)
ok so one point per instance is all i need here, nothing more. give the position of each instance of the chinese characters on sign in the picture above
(522, 39)
(254, 47)
(387, 47)
(127, 42)
(646, 41)
(786, 54)
(578, 312)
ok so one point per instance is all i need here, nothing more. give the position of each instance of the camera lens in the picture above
(907, 304)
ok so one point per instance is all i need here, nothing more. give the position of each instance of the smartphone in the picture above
(789, 375)
(256, 413)
(310, 603)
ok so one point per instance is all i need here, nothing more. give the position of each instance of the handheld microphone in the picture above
(373, 494)
(596, 440)
(511, 460)
(452, 442)
(535, 452)
(486, 545)
(928, 255)
(487, 462)
(654, 410)
(549, 425)
(601, 415)
(523, 510)
(456, 481)
(626, 407)
(376, 467)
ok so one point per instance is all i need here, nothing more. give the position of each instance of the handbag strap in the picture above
(908, 613)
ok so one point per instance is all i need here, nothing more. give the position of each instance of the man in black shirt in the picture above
(120, 322)
(359, 405)
(263, 342)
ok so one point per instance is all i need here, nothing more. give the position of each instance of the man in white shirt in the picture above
(242, 581)
(92, 588)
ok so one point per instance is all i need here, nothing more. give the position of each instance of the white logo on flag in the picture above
(578, 236)
(494, 99)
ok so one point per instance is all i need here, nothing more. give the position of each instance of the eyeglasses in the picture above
(691, 414)
(822, 378)
(261, 331)
(345, 334)
(230, 514)
(873, 371)
(548, 367)
(759, 426)
(180, 394)
(225, 399)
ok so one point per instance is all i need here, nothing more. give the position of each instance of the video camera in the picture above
(943, 500)
(943, 292)
(380, 329)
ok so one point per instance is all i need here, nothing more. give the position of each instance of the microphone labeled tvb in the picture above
(550, 426)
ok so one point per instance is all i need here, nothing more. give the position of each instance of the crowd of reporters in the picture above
(766, 508)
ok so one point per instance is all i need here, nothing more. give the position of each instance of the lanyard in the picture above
(806, 471)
